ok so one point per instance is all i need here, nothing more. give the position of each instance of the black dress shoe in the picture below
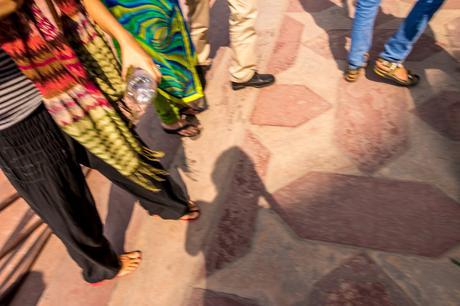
(257, 81)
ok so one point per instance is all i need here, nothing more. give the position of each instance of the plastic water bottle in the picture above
(141, 86)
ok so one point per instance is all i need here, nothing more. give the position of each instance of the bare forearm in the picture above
(101, 15)
(132, 54)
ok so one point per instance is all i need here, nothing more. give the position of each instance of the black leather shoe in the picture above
(257, 81)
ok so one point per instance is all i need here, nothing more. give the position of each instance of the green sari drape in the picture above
(159, 26)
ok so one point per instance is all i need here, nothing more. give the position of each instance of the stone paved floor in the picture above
(315, 192)
(343, 194)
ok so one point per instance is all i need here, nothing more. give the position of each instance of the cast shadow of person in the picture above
(337, 36)
(219, 27)
(120, 202)
(444, 120)
(26, 294)
(426, 54)
(234, 220)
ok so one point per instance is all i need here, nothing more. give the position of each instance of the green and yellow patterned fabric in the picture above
(158, 25)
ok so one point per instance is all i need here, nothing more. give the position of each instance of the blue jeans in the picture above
(398, 47)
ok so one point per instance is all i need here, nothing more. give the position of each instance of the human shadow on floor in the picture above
(219, 27)
(121, 203)
(29, 296)
(322, 209)
(230, 237)
(425, 48)
(337, 37)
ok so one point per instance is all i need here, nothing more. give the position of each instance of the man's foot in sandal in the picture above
(193, 213)
(129, 261)
(182, 128)
(352, 74)
(395, 72)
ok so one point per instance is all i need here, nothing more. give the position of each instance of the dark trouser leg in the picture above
(171, 202)
(36, 158)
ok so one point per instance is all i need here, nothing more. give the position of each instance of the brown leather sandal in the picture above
(389, 70)
(352, 74)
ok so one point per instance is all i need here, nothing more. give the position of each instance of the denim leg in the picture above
(361, 33)
(400, 44)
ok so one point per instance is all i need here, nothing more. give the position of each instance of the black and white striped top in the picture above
(18, 95)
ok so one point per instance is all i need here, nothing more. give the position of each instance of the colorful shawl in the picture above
(79, 77)
(158, 25)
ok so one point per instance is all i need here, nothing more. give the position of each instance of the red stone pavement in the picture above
(328, 193)
(367, 203)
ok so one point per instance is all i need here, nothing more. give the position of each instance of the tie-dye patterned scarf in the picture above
(74, 68)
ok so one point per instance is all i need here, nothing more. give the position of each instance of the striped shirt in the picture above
(18, 95)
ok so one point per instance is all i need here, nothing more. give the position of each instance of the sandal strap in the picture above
(353, 71)
(391, 72)
(193, 207)
(182, 128)
(391, 65)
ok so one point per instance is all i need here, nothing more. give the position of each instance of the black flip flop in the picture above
(184, 127)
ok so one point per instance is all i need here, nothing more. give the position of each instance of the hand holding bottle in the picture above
(141, 87)
(134, 56)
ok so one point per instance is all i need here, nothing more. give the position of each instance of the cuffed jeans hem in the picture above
(351, 66)
(392, 60)
(355, 64)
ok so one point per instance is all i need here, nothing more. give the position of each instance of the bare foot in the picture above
(129, 262)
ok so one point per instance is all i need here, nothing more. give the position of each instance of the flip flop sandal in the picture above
(127, 254)
(392, 69)
(352, 74)
(192, 208)
(182, 128)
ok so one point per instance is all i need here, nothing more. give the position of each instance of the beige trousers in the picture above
(243, 14)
